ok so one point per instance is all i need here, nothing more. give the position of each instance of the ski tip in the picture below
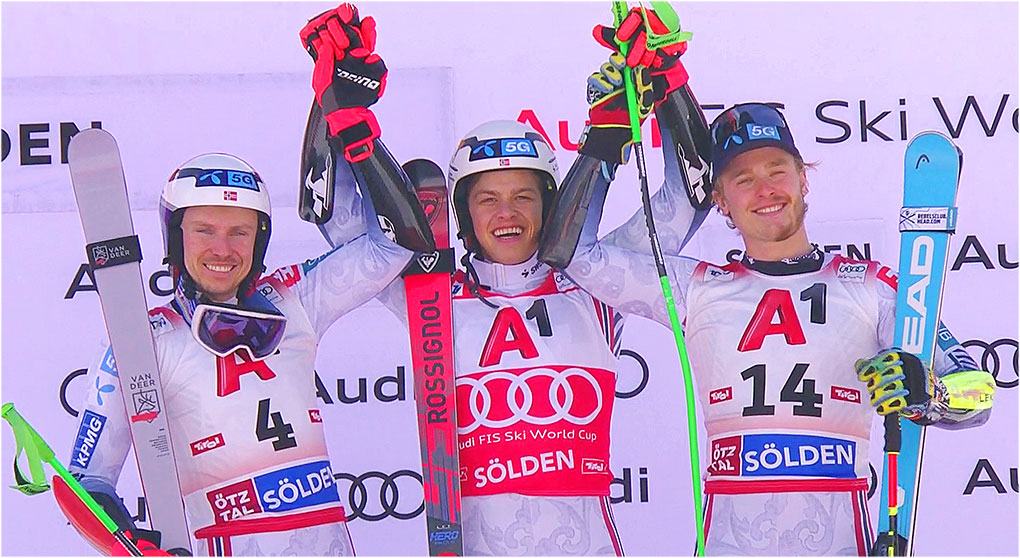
(90, 141)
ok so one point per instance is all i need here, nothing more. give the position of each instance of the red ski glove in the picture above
(608, 135)
(348, 76)
(667, 73)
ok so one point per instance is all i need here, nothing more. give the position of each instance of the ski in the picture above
(931, 174)
(315, 202)
(428, 283)
(114, 256)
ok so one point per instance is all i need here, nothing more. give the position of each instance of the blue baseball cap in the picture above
(748, 126)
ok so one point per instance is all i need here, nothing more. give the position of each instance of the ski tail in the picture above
(430, 309)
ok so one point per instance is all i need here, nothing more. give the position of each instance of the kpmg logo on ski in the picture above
(928, 219)
(113, 252)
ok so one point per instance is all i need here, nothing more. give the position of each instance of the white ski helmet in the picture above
(213, 179)
(498, 145)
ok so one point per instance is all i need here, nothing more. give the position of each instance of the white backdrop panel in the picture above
(173, 80)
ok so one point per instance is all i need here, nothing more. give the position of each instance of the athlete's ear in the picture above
(803, 182)
(720, 203)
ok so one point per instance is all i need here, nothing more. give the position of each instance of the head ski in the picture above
(931, 175)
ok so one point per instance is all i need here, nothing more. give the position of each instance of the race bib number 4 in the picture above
(542, 431)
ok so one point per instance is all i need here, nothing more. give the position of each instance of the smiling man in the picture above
(535, 355)
(236, 353)
(776, 342)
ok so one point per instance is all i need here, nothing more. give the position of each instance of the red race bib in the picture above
(538, 431)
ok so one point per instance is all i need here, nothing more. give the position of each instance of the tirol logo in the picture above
(207, 444)
(720, 395)
(845, 394)
(301, 486)
(88, 435)
(759, 455)
(593, 465)
(852, 272)
(506, 147)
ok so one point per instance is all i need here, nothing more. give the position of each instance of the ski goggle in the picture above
(225, 328)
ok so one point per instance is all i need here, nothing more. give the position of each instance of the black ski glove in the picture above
(348, 77)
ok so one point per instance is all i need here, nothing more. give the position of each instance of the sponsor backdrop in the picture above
(174, 80)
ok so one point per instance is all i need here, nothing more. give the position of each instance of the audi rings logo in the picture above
(374, 496)
(555, 390)
(995, 359)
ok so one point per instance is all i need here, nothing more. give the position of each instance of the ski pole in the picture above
(668, 16)
(38, 451)
(892, 451)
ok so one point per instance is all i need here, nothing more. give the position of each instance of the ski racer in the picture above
(236, 352)
(780, 343)
(535, 472)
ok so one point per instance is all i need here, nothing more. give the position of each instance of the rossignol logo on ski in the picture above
(928, 219)
(919, 277)
(428, 261)
(363, 81)
(113, 252)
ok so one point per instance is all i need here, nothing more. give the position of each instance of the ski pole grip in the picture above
(24, 432)
(892, 433)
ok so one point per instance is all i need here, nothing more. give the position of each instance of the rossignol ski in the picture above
(428, 283)
(114, 254)
(931, 175)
